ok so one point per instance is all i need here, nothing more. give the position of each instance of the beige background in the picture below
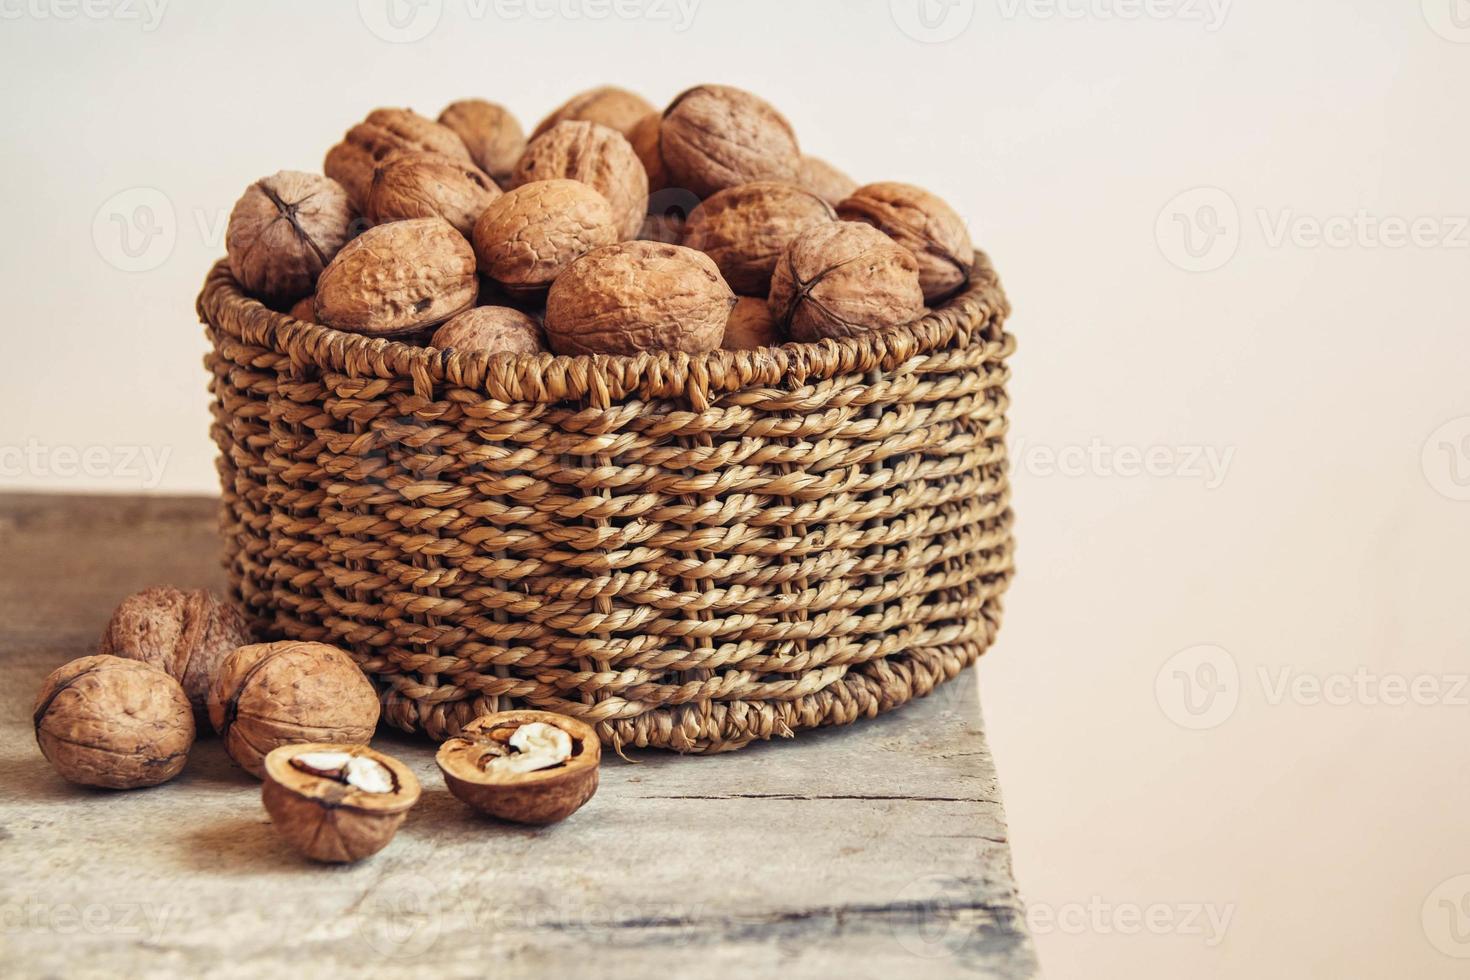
(1228, 703)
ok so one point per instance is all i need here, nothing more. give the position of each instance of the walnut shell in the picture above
(528, 236)
(645, 142)
(273, 694)
(397, 278)
(922, 223)
(824, 180)
(608, 106)
(597, 156)
(745, 229)
(715, 136)
(542, 796)
(325, 817)
(842, 280)
(750, 326)
(384, 132)
(492, 135)
(284, 230)
(638, 296)
(304, 309)
(491, 330)
(112, 722)
(186, 634)
(668, 215)
(427, 185)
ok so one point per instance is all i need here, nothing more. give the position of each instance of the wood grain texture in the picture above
(874, 850)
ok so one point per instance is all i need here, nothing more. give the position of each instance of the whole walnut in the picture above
(645, 142)
(750, 326)
(842, 280)
(397, 278)
(715, 136)
(491, 134)
(186, 634)
(597, 156)
(284, 230)
(427, 185)
(638, 296)
(746, 228)
(530, 234)
(922, 223)
(107, 721)
(383, 133)
(491, 330)
(609, 106)
(273, 694)
(824, 180)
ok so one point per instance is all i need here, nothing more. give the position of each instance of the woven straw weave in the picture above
(689, 552)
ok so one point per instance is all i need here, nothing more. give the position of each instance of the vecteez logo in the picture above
(401, 21)
(1450, 19)
(135, 230)
(1199, 230)
(932, 21)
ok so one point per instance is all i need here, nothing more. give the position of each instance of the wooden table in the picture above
(874, 851)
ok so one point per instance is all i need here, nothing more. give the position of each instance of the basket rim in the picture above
(978, 311)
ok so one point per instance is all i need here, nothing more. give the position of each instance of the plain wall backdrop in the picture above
(1228, 701)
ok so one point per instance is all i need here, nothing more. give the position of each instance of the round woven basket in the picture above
(688, 552)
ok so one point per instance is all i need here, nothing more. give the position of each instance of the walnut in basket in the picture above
(843, 280)
(427, 185)
(746, 228)
(491, 134)
(608, 106)
(384, 132)
(638, 296)
(824, 180)
(112, 722)
(751, 326)
(284, 230)
(398, 278)
(533, 767)
(922, 223)
(273, 694)
(491, 330)
(597, 156)
(528, 236)
(337, 802)
(716, 136)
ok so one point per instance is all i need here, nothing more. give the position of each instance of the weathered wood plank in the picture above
(870, 851)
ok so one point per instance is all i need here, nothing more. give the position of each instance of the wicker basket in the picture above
(685, 552)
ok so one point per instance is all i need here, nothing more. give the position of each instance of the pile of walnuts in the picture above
(296, 715)
(461, 233)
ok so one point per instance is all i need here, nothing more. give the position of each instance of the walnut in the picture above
(645, 142)
(609, 106)
(824, 180)
(186, 634)
(745, 229)
(273, 694)
(427, 185)
(922, 223)
(491, 329)
(844, 279)
(532, 767)
(597, 156)
(525, 238)
(750, 326)
(383, 133)
(112, 722)
(398, 278)
(638, 296)
(668, 215)
(304, 309)
(715, 136)
(337, 802)
(284, 230)
(491, 134)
